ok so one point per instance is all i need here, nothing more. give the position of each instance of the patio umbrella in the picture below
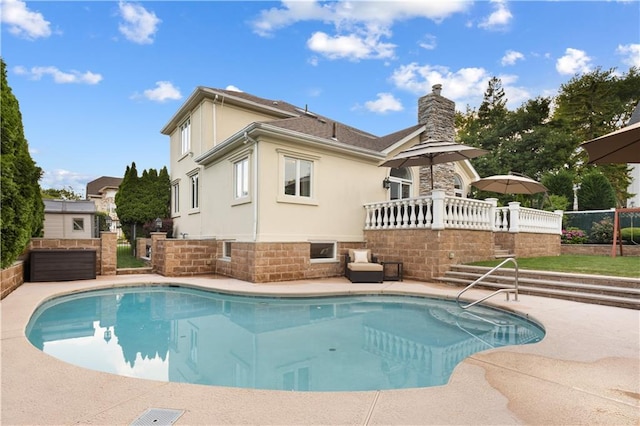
(433, 152)
(621, 146)
(509, 184)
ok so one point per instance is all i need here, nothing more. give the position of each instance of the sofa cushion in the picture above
(361, 256)
(364, 266)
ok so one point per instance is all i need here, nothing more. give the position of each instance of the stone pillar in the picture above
(492, 214)
(514, 217)
(157, 262)
(108, 253)
(437, 113)
(437, 196)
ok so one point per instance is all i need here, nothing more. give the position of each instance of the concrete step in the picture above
(604, 290)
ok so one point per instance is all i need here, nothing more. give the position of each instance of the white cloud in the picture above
(163, 91)
(386, 102)
(573, 62)
(428, 42)
(65, 179)
(350, 46)
(233, 88)
(511, 57)
(464, 86)
(359, 25)
(499, 18)
(23, 22)
(60, 77)
(630, 53)
(139, 25)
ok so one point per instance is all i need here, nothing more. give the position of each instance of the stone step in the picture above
(604, 290)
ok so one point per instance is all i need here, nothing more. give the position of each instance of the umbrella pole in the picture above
(431, 167)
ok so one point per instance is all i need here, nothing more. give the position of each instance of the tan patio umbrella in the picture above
(509, 184)
(433, 152)
(621, 146)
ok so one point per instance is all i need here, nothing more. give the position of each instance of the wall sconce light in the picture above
(386, 183)
(108, 222)
(158, 224)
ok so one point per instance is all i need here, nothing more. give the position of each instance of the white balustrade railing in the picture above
(439, 211)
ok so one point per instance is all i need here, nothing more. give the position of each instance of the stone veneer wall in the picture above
(437, 113)
(428, 254)
(599, 249)
(11, 278)
(176, 258)
(525, 244)
(272, 262)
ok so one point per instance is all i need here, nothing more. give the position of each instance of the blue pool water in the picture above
(350, 343)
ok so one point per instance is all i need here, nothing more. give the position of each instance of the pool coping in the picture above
(585, 370)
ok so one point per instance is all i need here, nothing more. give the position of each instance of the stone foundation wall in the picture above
(599, 249)
(179, 258)
(529, 245)
(427, 254)
(11, 278)
(273, 262)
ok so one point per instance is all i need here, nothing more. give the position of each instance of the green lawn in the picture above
(622, 266)
(127, 260)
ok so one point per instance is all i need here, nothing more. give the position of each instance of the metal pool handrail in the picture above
(502, 290)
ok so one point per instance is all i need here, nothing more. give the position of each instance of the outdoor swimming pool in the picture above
(338, 343)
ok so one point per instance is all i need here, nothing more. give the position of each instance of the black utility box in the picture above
(62, 265)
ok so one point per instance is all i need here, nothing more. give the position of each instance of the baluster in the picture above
(421, 207)
(367, 221)
(412, 217)
(385, 223)
(429, 218)
(405, 214)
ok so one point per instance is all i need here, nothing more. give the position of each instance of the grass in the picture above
(620, 266)
(127, 260)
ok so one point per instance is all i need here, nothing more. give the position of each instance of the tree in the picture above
(594, 104)
(595, 192)
(140, 200)
(22, 214)
(60, 194)
(559, 183)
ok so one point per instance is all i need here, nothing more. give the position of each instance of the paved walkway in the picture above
(585, 371)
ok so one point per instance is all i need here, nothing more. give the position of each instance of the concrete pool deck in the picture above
(585, 371)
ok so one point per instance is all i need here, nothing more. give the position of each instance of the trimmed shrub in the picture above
(602, 232)
(629, 234)
(573, 236)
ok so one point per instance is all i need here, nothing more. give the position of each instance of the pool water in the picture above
(353, 343)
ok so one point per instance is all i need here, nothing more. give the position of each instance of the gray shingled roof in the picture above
(316, 125)
(94, 187)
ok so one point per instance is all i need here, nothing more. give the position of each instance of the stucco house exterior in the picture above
(263, 176)
(102, 191)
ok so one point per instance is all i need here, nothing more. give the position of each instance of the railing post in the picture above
(437, 195)
(514, 217)
(492, 213)
(558, 227)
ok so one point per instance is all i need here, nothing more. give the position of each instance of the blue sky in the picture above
(97, 80)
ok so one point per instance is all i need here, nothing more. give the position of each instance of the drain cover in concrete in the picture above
(157, 417)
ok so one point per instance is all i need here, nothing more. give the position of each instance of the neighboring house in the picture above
(73, 219)
(103, 193)
(256, 171)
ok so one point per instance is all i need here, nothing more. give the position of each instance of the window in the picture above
(400, 183)
(226, 249)
(78, 224)
(185, 136)
(241, 178)
(195, 202)
(322, 251)
(297, 177)
(175, 195)
(457, 185)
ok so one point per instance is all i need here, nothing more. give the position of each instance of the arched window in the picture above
(458, 187)
(400, 183)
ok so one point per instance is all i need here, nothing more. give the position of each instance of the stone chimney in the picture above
(437, 113)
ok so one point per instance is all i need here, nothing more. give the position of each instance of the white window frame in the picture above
(285, 155)
(226, 250)
(397, 184)
(458, 191)
(334, 258)
(77, 224)
(241, 176)
(185, 136)
(194, 190)
(175, 197)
